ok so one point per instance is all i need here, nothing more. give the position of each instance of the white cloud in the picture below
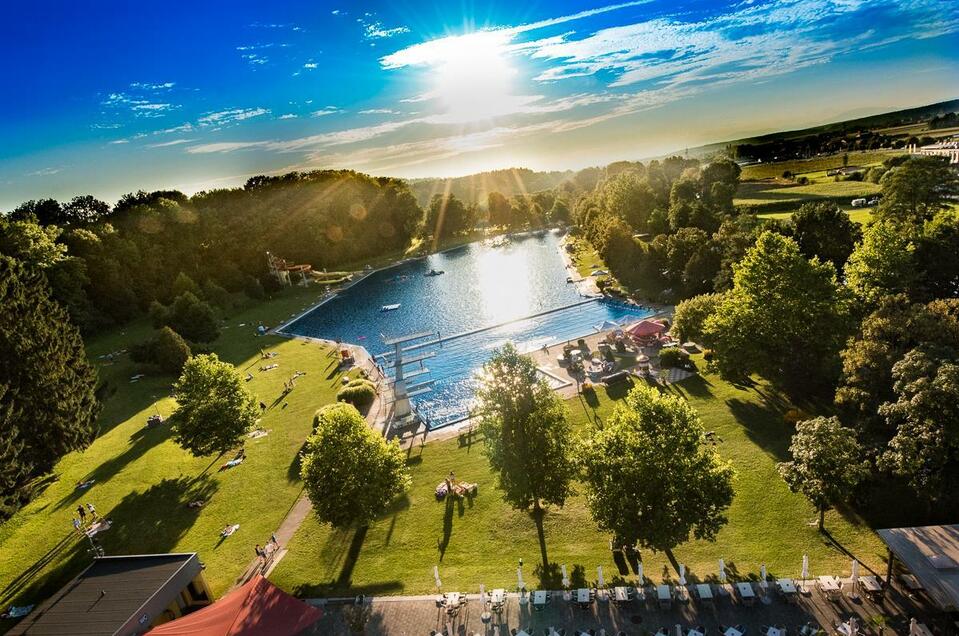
(376, 31)
(119, 141)
(378, 111)
(226, 146)
(326, 110)
(230, 116)
(187, 127)
(140, 107)
(310, 65)
(44, 172)
(149, 86)
(287, 116)
(174, 142)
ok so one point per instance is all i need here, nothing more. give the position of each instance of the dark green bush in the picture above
(674, 357)
(359, 392)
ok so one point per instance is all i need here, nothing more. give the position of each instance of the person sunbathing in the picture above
(229, 529)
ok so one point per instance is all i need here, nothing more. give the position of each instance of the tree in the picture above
(691, 314)
(785, 318)
(914, 191)
(215, 410)
(85, 209)
(650, 476)
(882, 264)
(826, 462)
(31, 243)
(448, 216)
(48, 405)
(826, 231)
(526, 430)
(183, 284)
(189, 316)
(351, 473)
(885, 336)
(171, 351)
(925, 418)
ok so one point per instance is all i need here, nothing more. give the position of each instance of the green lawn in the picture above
(481, 541)
(808, 167)
(857, 215)
(586, 259)
(774, 195)
(143, 480)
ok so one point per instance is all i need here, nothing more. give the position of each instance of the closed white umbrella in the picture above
(682, 574)
(436, 576)
(853, 627)
(565, 577)
(600, 582)
(639, 573)
(722, 571)
(805, 571)
(519, 578)
(762, 576)
(913, 627)
(482, 593)
(854, 577)
(679, 630)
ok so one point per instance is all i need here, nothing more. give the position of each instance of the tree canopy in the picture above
(214, 408)
(785, 318)
(918, 188)
(826, 462)
(527, 436)
(650, 477)
(824, 230)
(48, 405)
(351, 473)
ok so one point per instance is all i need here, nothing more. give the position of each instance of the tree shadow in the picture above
(153, 521)
(142, 441)
(764, 425)
(694, 386)
(577, 576)
(619, 390)
(27, 575)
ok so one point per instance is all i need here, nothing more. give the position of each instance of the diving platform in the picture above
(390, 342)
(403, 369)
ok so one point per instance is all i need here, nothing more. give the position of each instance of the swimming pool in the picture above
(488, 295)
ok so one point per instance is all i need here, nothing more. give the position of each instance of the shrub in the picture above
(193, 318)
(216, 295)
(254, 288)
(168, 350)
(587, 388)
(674, 357)
(803, 180)
(787, 174)
(359, 392)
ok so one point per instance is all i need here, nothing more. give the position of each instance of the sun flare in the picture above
(474, 80)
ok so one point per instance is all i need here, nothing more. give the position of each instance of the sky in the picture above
(109, 97)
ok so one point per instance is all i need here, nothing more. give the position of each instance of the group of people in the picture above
(80, 521)
(263, 554)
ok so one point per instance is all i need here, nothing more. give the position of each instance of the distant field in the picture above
(857, 215)
(816, 164)
(778, 197)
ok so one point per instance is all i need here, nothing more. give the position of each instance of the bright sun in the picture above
(474, 78)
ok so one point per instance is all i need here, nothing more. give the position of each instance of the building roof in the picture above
(931, 553)
(115, 595)
(257, 607)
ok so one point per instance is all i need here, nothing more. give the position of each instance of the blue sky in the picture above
(107, 97)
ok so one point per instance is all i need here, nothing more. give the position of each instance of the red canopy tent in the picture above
(257, 607)
(646, 328)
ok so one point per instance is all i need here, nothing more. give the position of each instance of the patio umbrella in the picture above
(482, 593)
(599, 577)
(682, 574)
(639, 573)
(679, 630)
(913, 627)
(519, 578)
(853, 627)
(805, 567)
(762, 576)
(436, 576)
(565, 578)
(854, 577)
(722, 571)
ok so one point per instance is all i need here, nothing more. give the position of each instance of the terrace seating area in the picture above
(826, 605)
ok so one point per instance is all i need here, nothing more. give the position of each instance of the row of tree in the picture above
(871, 318)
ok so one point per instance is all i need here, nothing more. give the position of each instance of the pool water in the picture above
(488, 295)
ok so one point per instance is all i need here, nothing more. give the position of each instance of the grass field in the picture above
(586, 259)
(809, 167)
(776, 196)
(857, 215)
(481, 541)
(144, 481)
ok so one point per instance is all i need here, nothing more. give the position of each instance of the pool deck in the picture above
(423, 614)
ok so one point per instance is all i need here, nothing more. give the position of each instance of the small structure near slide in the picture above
(284, 272)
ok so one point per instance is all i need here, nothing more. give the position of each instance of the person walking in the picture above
(83, 514)
(93, 512)
(77, 526)
(260, 553)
